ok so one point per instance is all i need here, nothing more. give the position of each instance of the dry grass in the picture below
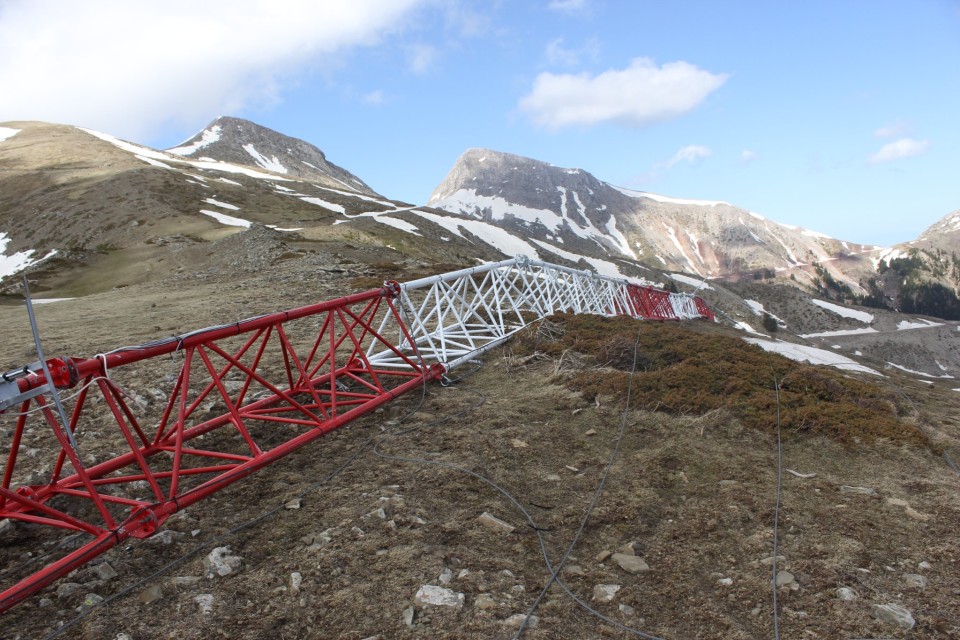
(695, 369)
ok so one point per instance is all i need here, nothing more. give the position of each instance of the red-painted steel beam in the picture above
(310, 382)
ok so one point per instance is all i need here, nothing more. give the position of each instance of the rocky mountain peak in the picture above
(240, 141)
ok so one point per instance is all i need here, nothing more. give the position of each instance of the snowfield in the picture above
(227, 220)
(862, 316)
(802, 353)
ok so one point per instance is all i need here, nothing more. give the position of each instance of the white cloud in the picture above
(892, 130)
(902, 148)
(557, 54)
(373, 98)
(567, 6)
(639, 95)
(132, 67)
(422, 58)
(748, 155)
(691, 154)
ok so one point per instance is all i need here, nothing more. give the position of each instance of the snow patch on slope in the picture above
(7, 132)
(230, 221)
(693, 282)
(222, 205)
(905, 325)
(802, 353)
(494, 236)
(270, 164)
(840, 332)
(208, 137)
(862, 316)
(659, 198)
(323, 203)
(466, 201)
(603, 267)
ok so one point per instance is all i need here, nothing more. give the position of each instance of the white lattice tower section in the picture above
(455, 316)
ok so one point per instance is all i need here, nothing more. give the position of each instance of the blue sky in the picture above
(839, 116)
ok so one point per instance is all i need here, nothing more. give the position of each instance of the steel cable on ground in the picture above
(776, 511)
(529, 518)
(555, 571)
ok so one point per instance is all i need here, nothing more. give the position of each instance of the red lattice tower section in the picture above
(246, 394)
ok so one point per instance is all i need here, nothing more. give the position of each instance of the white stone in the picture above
(846, 593)
(894, 614)
(446, 576)
(408, 617)
(220, 563)
(205, 601)
(925, 565)
(494, 523)
(605, 592)
(725, 582)
(296, 579)
(432, 595)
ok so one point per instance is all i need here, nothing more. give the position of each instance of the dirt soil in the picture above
(693, 496)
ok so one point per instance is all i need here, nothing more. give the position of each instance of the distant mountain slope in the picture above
(85, 212)
(242, 142)
(923, 275)
(570, 208)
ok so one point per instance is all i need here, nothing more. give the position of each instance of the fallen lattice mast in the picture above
(250, 392)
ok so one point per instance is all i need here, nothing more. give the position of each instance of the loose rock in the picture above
(915, 580)
(220, 563)
(631, 563)
(151, 595)
(205, 601)
(605, 592)
(408, 614)
(494, 523)
(784, 579)
(432, 595)
(893, 614)
(104, 571)
(517, 619)
(847, 594)
(484, 601)
(296, 579)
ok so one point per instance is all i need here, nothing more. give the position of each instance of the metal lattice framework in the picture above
(248, 393)
(455, 315)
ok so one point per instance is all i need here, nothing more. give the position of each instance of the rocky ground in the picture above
(412, 523)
